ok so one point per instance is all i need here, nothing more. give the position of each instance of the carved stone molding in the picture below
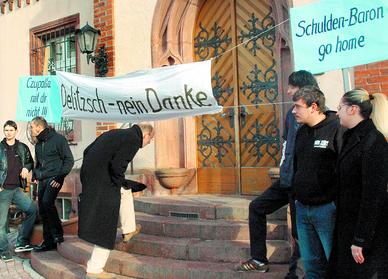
(172, 36)
(172, 43)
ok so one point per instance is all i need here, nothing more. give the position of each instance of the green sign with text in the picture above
(39, 96)
(339, 34)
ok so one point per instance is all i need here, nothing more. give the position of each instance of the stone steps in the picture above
(202, 236)
(132, 265)
(218, 229)
(193, 249)
(204, 206)
(52, 265)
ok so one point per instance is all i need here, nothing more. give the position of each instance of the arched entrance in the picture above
(234, 149)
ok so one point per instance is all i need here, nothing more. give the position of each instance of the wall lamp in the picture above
(87, 41)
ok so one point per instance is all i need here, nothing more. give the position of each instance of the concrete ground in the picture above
(19, 268)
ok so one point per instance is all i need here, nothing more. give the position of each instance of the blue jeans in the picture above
(315, 225)
(25, 204)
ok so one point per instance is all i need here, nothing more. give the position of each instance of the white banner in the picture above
(149, 95)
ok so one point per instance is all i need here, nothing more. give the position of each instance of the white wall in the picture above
(15, 54)
(133, 23)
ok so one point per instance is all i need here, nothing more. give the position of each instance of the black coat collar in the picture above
(139, 134)
(353, 136)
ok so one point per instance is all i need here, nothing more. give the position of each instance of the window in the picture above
(53, 48)
(63, 205)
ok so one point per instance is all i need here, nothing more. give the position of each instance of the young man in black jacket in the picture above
(317, 146)
(278, 194)
(53, 162)
(16, 163)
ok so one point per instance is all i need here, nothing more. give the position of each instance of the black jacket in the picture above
(287, 167)
(53, 156)
(316, 152)
(102, 176)
(25, 157)
(362, 205)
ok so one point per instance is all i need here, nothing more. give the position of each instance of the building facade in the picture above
(231, 152)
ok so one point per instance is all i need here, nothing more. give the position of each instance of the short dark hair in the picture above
(311, 94)
(11, 123)
(39, 120)
(302, 78)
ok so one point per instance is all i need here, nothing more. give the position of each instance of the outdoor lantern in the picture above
(87, 41)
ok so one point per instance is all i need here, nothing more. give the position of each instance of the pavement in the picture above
(19, 268)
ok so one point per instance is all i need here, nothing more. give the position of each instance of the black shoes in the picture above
(291, 275)
(23, 248)
(48, 246)
(58, 239)
(6, 256)
(45, 247)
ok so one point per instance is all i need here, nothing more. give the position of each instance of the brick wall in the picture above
(11, 4)
(103, 20)
(373, 77)
(104, 126)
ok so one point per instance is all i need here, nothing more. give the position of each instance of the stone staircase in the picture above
(198, 236)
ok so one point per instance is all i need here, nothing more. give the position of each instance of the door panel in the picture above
(216, 137)
(238, 146)
(258, 91)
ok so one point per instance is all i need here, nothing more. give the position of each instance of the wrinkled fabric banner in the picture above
(149, 95)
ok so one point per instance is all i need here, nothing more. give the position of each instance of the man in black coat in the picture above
(102, 176)
(54, 161)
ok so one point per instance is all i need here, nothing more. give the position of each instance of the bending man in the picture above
(103, 176)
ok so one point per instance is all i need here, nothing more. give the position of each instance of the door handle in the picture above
(229, 113)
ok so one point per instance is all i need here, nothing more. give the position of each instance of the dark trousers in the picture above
(272, 199)
(52, 226)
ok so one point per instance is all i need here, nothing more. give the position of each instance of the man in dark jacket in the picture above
(279, 193)
(54, 161)
(102, 176)
(16, 163)
(317, 146)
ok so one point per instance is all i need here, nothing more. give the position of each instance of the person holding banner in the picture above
(278, 194)
(16, 163)
(361, 235)
(54, 161)
(104, 186)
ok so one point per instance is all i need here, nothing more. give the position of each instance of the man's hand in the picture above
(357, 254)
(55, 184)
(24, 173)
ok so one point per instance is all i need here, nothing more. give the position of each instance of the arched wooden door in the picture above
(237, 147)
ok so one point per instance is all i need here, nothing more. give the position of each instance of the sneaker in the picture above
(6, 257)
(128, 236)
(23, 248)
(253, 266)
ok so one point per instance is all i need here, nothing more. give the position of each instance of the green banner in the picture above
(339, 34)
(39, 96)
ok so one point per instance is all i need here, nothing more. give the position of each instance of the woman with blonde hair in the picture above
(361, 236)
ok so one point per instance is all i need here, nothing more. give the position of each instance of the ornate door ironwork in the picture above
(237, 146)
